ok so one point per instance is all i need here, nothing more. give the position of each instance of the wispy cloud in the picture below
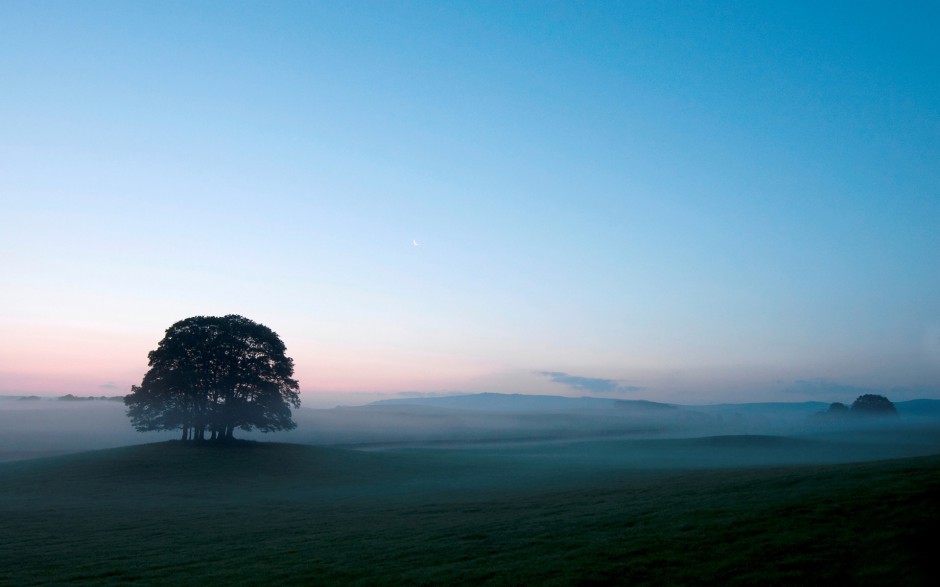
(589, 384)
(108, 385)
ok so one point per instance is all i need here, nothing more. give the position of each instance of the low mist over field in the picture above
(482, 489)
(47, 426)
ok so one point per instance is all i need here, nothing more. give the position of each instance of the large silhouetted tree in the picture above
(214, 374)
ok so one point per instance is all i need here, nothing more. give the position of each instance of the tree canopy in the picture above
(873, 404)
(214, 374)
(838, 408)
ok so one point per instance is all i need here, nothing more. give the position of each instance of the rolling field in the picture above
(688, 512)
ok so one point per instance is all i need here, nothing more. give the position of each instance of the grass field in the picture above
(261, 513)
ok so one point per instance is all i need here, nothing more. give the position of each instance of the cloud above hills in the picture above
(589, 384)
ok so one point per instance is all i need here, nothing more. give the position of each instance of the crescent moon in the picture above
(415, 243)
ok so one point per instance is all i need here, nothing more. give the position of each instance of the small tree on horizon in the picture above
(838, 409)
(214, 374)
(872, 404)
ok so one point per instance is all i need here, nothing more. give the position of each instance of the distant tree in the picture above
(214, 374)
(874, 405)
(838, 409)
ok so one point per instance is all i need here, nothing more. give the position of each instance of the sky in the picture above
(683, 202)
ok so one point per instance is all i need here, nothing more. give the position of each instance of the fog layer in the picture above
(735, 434)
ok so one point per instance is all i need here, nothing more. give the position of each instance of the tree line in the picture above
(869, 404)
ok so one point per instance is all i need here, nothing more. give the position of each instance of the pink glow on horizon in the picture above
(87, 360)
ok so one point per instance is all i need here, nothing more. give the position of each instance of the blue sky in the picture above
(691, 202)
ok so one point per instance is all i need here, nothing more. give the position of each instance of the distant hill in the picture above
(518, 402)
(919, 407)
(763, 407)
(77, 398)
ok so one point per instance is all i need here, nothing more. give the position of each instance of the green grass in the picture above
(289, 514)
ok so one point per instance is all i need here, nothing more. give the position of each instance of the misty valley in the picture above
(484, 488)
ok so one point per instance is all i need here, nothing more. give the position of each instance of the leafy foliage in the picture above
(215, 374)
(838, 408)
(873, 404)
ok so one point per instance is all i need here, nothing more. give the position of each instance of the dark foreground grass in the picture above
(287, 514)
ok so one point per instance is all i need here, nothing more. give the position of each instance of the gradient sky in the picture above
(691, 202)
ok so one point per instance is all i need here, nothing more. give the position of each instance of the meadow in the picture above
(716, 510)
